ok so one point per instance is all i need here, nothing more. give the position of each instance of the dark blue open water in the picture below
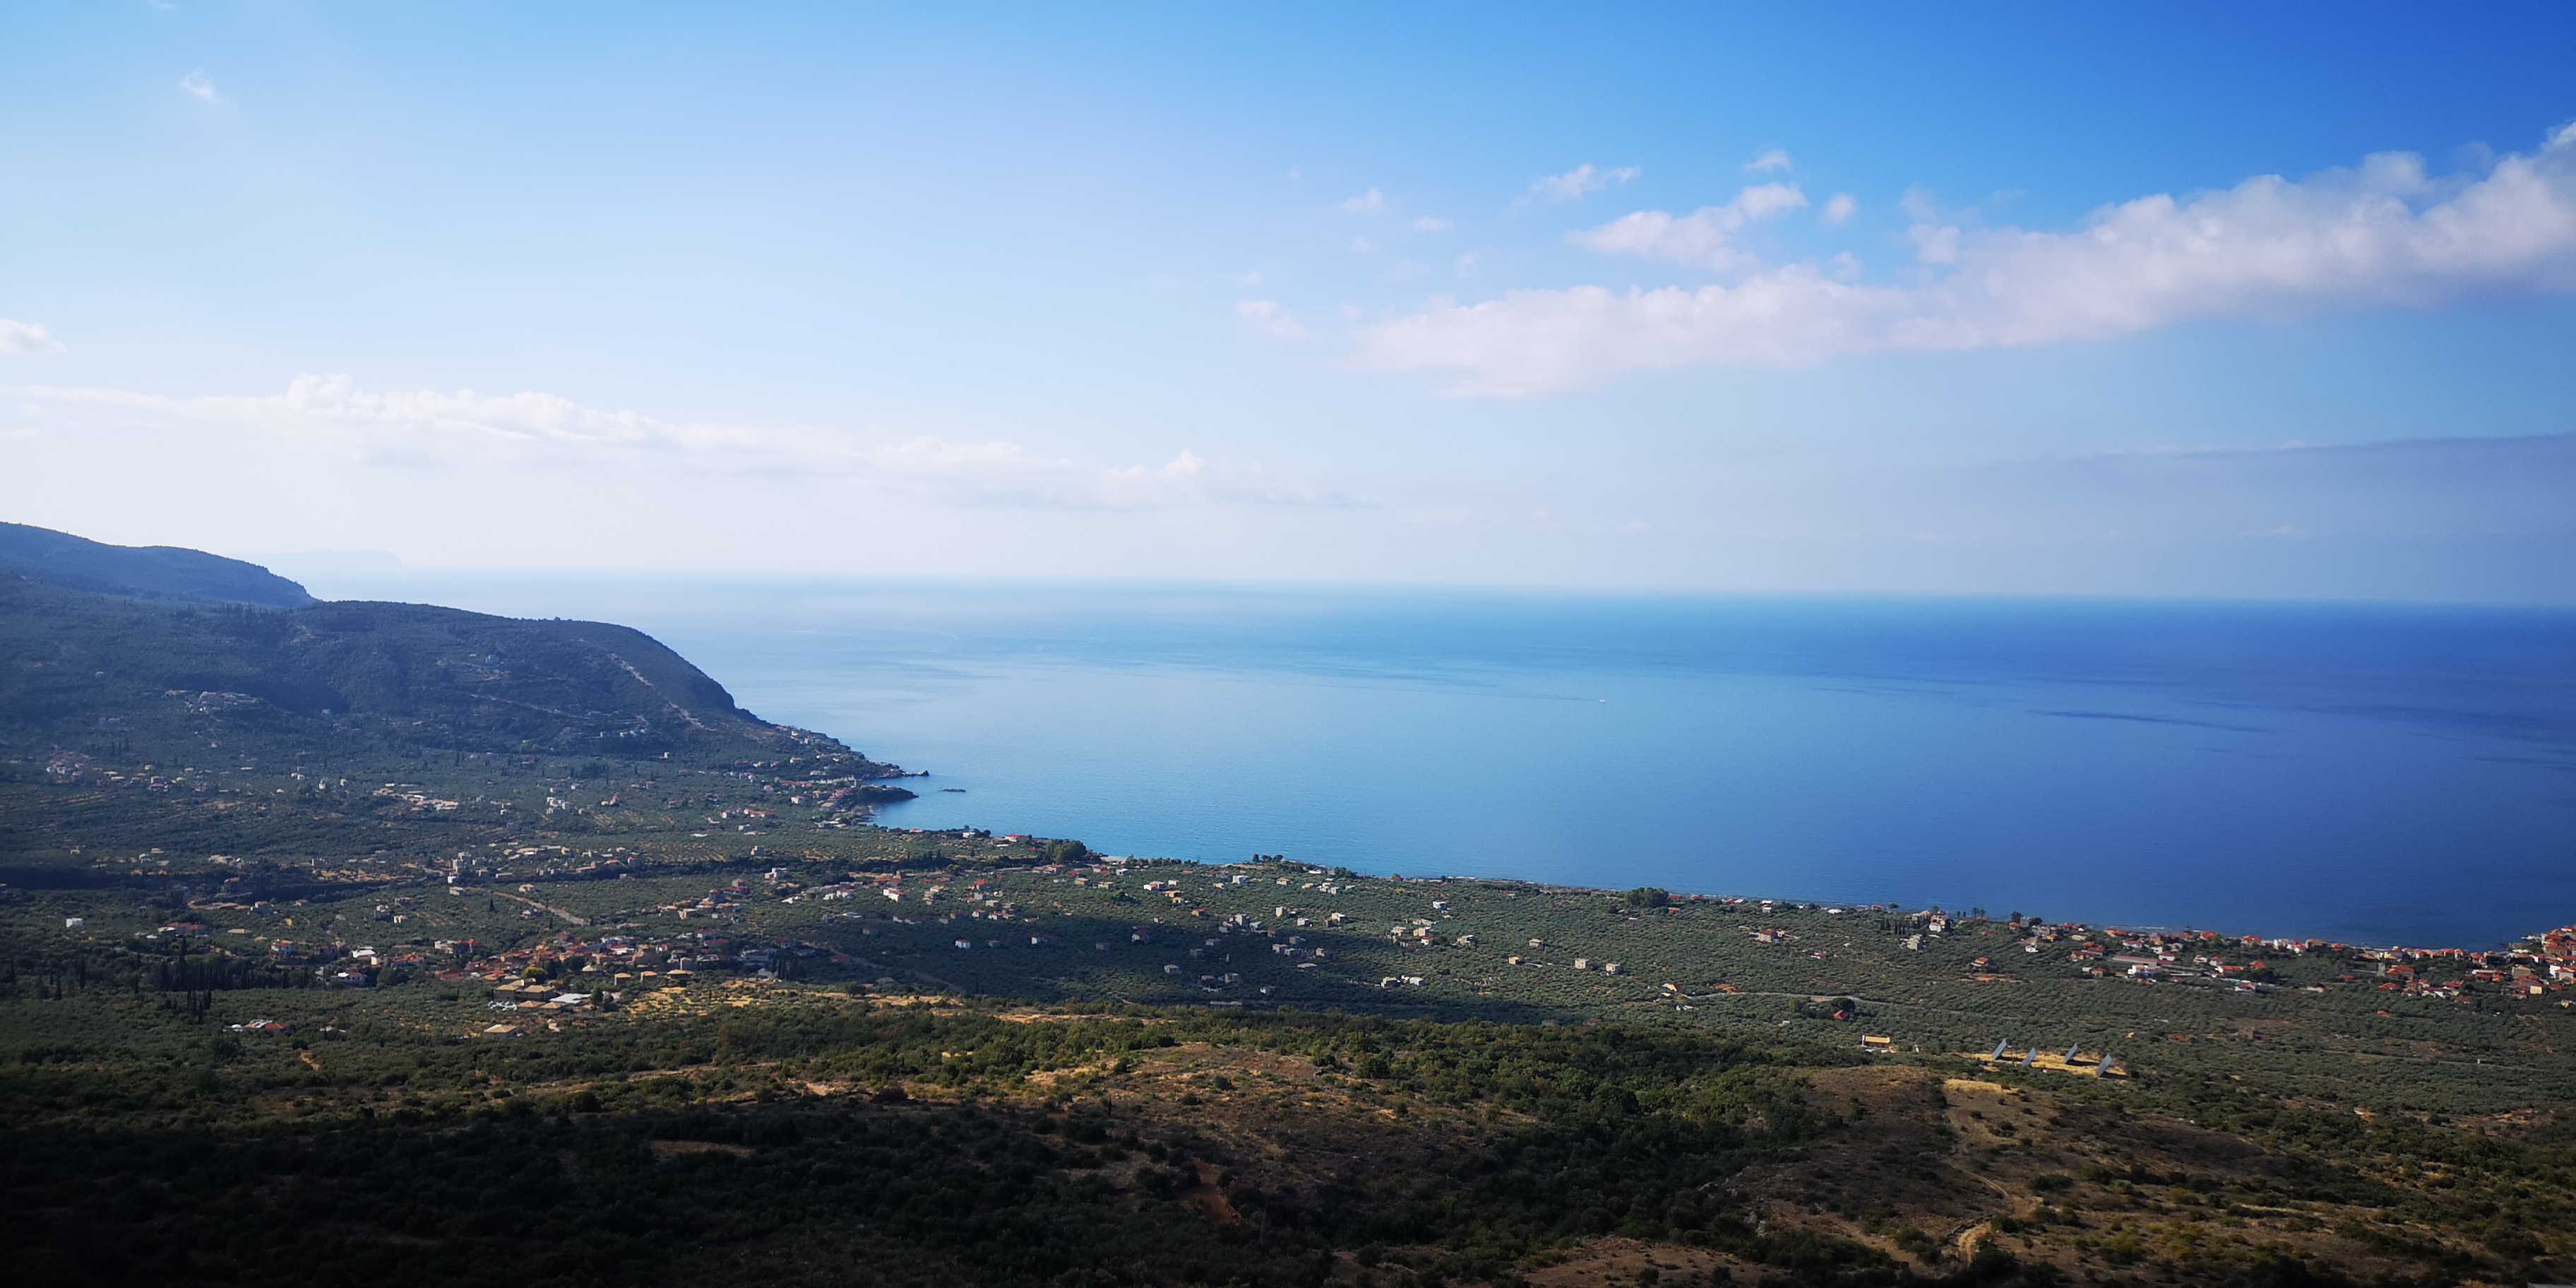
(2369, 774)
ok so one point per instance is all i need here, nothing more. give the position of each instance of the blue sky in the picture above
(2169, 301)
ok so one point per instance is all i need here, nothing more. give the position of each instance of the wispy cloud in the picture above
(1580, 181)
(1698, 239)
(1431, 224)
(1367, 203)
(329, 416)
(937, 471)
(23, 339)
(199, 86)
(1271, 318)
(1770, 160)
(2384, 234)
(1839, 210)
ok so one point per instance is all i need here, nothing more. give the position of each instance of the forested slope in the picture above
(143, 572)
(77, 667)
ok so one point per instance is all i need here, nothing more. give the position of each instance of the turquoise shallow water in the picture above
(2370, 774)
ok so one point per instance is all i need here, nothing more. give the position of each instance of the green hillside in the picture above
(107, 674)
(142, 572)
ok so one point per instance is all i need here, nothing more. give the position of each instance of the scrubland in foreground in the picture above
(804, 1079)
(807, 1135)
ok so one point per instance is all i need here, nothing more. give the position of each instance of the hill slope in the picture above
(142, 572)
(79, 666)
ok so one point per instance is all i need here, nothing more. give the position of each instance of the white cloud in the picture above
(22, 339)
(940, 472)
(1579, 181)
(1367, 203)
(1271, 318)
(199, 86)
(328, 416)
(332, 416)
(1699, 238)
(2382, 235)
(1838, 210)
(1431, 224)
(1770, 160)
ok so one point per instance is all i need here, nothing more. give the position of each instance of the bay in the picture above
(2362, 773)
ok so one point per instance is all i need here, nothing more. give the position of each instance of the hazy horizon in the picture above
(381, 575)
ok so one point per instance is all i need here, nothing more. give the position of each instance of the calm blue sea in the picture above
(2368, 774)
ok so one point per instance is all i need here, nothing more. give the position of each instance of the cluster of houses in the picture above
(2543, 964)
(564, 972)
(362, 966)
(975, 902)
(421, 802)
(542, 995)
(723, 903)
(576, 963)
(2152, 955)
(537, 861)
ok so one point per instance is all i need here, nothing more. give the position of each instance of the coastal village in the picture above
(1255, 934)
(738, 895)
(970, 912)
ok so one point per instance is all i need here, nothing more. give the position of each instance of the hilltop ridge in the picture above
(142, 572)
(184, 649)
